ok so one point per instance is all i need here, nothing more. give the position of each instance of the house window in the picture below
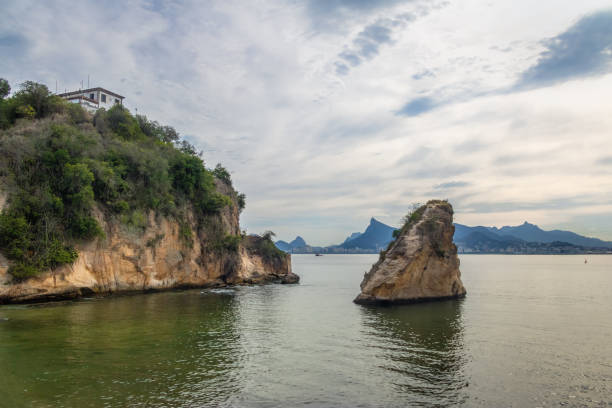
(91, 96)
(103, 98)
(116, 100)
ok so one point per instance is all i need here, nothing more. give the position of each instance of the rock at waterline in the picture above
(290, 278)
(420, 265)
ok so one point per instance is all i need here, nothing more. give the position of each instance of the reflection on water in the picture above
(154, 350)
(533, 331)
(422, 347)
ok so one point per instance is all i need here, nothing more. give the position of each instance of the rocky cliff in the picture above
(156, 258)
(421, 264)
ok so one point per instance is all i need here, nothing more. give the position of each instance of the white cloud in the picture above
(256, 86)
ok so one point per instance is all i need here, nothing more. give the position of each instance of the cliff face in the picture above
(154, 259)
(421, 264)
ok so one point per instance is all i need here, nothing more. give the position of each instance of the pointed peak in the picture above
(377, 225)
(298, 242)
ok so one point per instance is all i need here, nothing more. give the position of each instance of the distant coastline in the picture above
(524, 239)
(602, 252)
(358, 251)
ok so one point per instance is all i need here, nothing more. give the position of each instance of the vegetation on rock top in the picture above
(413, 217)
(264, 246)
(59, 164)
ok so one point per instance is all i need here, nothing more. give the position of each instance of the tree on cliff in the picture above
(5, 88)
(63, 164)
(32, 100)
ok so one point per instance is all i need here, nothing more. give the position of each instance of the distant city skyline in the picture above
(328, 113)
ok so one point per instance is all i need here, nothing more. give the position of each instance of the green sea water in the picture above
(533, 331)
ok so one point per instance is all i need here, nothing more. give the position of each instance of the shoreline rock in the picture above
(155, 259)
(290, 279)
(420, 265)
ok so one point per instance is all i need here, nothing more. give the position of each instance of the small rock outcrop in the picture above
(420, 265)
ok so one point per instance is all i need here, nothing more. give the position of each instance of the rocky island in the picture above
(421, 264)
(112, 202)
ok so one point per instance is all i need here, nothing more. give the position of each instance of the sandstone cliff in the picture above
(421, 264)
(156, 258)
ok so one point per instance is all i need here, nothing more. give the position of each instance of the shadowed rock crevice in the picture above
(420, 265)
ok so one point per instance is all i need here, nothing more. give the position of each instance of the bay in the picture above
(532, 331)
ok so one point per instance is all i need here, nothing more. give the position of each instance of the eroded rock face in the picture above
(420, 265)
(155, 259)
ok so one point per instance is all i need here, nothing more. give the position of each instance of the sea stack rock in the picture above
(420, 265)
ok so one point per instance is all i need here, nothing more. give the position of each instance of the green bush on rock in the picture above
(62, 163)
(229, 243)
(264, 246)
(413, 217)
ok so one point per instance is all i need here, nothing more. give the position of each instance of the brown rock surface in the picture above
(420, 265)
(154, 259)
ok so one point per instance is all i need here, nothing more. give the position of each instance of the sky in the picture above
(330, 112)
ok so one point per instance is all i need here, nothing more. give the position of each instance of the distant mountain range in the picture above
(298, 242)
(352, 236)
(525, 238)
(375, 238)
(522, 239)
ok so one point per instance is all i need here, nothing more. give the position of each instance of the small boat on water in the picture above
(318, 254)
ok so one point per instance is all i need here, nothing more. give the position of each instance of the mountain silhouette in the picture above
(529, 233)
(533, 233)
(524, 238)
(376, 236)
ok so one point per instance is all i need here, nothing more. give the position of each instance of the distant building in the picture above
(93, 99)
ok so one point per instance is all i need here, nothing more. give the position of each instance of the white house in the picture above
(93, 99)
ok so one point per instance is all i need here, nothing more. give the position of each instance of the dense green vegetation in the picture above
(59, 164)
(264, 246)
(228, 243)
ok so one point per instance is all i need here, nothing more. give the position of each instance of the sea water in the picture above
(533, 331)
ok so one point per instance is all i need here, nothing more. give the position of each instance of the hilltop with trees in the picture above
(60, 164)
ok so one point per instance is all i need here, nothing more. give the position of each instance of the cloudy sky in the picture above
(329, 112)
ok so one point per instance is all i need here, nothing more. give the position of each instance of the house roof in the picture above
(72, 97)
(106, 91)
